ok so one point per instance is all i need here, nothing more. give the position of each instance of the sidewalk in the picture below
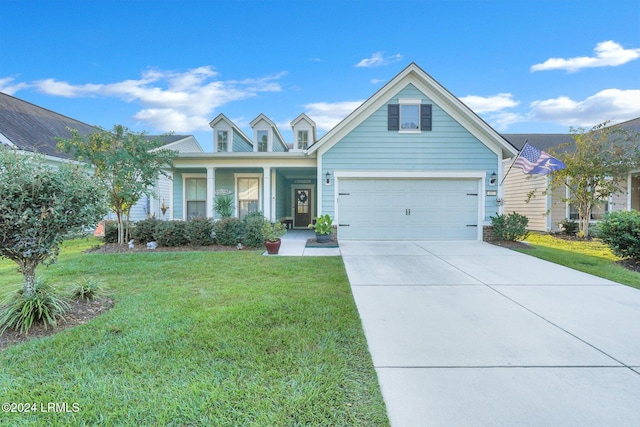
(294, 242)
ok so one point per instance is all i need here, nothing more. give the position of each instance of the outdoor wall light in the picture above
(327, 178)
(493, 179)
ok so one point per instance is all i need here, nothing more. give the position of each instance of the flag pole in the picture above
(526, 141)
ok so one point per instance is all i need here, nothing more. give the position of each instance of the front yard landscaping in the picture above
(590, 256)
(198, 339)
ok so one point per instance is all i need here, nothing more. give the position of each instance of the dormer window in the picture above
(222, 141)
(303, 139)
(263, 140)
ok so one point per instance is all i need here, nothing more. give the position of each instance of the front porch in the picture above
(282, 193)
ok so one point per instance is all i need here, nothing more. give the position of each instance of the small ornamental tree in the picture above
(39, 205)
(601, 162)
(126, 162)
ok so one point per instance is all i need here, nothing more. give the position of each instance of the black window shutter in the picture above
(393, 117)
(425, 117)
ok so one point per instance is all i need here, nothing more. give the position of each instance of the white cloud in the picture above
(328, 114)
(491, 108)
(481, 104)
(7, 86)
(378, 59)
(607, 54)
(609, 104)
(171, 101)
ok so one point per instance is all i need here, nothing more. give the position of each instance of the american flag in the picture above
(534, 161)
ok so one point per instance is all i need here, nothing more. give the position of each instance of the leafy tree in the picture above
(39, 204)
(603, 157)
(126, 162)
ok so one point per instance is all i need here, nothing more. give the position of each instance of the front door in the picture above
(302, 209)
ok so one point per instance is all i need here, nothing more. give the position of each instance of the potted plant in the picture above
(323, 228)
(272, 234)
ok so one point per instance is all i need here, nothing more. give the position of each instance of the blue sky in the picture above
(160, 66)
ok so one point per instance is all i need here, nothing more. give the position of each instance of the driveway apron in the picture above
(471, 334)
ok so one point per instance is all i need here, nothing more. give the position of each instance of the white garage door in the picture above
(407, 209)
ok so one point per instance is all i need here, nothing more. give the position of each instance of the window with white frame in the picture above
(263, 140)
(196, 197)
(248, 190)
(410, 116)
(222, 143)
(303, 139)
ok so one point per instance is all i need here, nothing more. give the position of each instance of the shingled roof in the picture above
(545, 141)
(28, 127)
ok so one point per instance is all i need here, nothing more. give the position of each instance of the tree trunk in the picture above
(585, 214)
(29, 272)
(120, 228)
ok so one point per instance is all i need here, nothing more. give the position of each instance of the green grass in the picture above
(200, 339)
(591, 257)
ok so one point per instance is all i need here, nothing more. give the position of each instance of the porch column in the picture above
(266, 184)
(211, 190)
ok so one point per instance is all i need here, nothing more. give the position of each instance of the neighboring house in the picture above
(412, 162)
(33, 129)
(546, 212)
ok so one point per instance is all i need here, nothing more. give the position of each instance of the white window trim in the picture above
(229, 138)
(409, 101)
(269, 139)
(236, 176)
(567, 215)
(186, 176)
(302, 129)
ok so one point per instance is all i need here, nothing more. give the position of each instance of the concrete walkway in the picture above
(294, 244)
(470, 334)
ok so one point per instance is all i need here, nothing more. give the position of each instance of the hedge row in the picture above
(195, 232)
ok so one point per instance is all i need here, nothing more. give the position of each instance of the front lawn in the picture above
(590, 256)
(199, 339)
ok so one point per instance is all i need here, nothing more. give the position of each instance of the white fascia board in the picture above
(5, 140)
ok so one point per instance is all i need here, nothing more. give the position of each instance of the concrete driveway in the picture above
(471, 334)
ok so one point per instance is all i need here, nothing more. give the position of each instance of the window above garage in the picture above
(409, 116)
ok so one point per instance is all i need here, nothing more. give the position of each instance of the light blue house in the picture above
(411, 162)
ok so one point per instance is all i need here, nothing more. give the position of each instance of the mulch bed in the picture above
(313, 243)
(113, 248)
(509, 244)
(630, 265)
(80, 312)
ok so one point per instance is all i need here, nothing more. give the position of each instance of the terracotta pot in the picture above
(273, 247)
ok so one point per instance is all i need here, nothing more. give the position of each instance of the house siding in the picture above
(370, 147)
(278, 144)
(188, 145)
(240, 144)
(517, 186)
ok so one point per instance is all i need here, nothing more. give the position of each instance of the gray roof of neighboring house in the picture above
(32, 128)
(546, 141)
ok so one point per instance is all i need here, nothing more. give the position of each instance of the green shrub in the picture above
(171, 233)
(86, 289)
(145, 230)
(111, 231)
(20, 312)
(569, 227)
(621, 232)
(510, 227)
(251, 230)
(223, 205)
(199, 231)
(227, 231)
